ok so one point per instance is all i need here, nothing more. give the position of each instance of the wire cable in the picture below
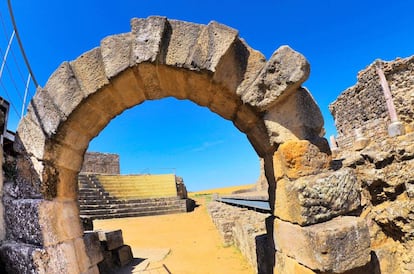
(20, 44)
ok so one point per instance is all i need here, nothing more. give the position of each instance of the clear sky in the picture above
(339, 38)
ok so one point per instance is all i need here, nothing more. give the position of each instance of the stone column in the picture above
(396, 128)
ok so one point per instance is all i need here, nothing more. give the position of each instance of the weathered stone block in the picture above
(285, 265)
(44, 112)
(93, 246)
(212, 43)
(116, 53)
(147, 37)
(183, 38)
(64, 89)
(22, 220)
(317, 198)
(337, 245)
(59, 221)
(285, 71)
(111, 239)
(299, 158)
(297, 116)
(21, 258)
(122, 255)
(90, 71)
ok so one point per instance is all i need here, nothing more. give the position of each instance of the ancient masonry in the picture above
(319, 214)
(103, 163)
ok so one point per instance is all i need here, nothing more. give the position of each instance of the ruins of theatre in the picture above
(348, 209)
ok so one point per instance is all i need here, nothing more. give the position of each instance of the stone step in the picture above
(133, 214)
(129, 210)
(129, 205)
(119, 201)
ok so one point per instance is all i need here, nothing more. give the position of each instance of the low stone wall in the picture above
(104, 163)
(246, 230)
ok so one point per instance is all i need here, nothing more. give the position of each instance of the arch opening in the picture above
(208, 65)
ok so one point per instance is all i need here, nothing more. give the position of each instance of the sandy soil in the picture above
(195, 244)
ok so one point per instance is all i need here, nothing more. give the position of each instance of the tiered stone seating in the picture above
(118, 196)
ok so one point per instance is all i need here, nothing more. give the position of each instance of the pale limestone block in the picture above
(90, 71)
(30, 139)
(285, 71)
(116, 53)
(62, 258)
(297, 116)
(64, 90)
(337, 245)
(59, 221)
(44, 112)
(147, 36)
(231, 69)
(213, 42)
(312, 199)
(183, 38)
(254, 65)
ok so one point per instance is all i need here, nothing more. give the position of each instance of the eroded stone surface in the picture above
(337, 245)
(312, 199)
(285, 71)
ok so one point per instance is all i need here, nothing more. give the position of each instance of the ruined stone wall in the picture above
(385, 172)
(363, 105)
(104, 163)
(246, 230)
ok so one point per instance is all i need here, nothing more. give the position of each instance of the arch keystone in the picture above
(183, 38)
(147, 37)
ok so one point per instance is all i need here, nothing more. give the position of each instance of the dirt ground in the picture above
(195, 244)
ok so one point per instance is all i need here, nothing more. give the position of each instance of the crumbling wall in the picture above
(246, 230)
(103, 163)
(363, 105)
(384, 164)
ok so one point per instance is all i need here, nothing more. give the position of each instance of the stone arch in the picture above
(207, 64)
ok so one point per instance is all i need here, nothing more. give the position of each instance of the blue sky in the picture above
(339, 38)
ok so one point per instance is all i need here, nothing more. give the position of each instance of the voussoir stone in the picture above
(312, 199)
(335, 246)
(183, 38)
(285, 71)
(64, 89)
(116, 53)
(297, 116)
(147, 38)
(213, 42)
